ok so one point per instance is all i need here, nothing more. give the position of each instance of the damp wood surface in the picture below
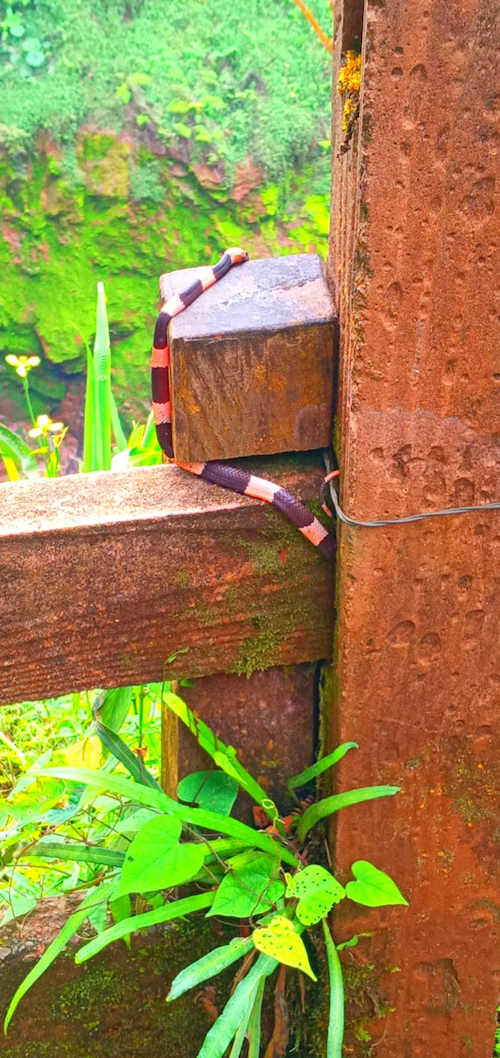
(252, 360)
(110, 579)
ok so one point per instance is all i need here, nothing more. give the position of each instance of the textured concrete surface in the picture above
(252, 361)
(417, 670)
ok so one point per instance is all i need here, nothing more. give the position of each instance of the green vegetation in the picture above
(227, 83)
(122, 835)
(136, 138)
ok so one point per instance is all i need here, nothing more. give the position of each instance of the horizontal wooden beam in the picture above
(105, 576)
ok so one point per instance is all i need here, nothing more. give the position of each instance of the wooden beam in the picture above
(416, 683)
(252, 361)
(106, 576)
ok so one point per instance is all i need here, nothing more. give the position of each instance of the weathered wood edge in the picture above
(106, 576)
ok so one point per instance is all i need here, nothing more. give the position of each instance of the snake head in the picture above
(237, 255)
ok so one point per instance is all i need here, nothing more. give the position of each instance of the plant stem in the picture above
(28, 400)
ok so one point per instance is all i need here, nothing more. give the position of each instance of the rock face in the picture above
(121, 211)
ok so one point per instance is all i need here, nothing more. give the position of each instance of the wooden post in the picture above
(412, 261)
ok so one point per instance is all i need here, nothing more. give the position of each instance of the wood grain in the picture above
(252, 361)
(105, 576)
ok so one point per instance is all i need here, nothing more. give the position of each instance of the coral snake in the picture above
(233, 478)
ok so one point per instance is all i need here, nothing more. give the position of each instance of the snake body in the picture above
(233, 478)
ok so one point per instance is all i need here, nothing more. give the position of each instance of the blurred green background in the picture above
(138, 137)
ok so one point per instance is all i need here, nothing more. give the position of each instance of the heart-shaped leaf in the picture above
(209, 789)
(147, 862)
(317, 891)
(251, 887)
(372, 887)
(280, 940)
(172, 867)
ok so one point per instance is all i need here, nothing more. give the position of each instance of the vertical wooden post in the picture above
(412, 261)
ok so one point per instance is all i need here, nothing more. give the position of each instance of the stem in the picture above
(28, 400)
(326, 42)
(336, 1022)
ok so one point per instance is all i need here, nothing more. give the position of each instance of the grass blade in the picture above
(329, 805)
(336, 1019)
(63, 850)
(69, 929)
(209, 966)
(224, 756)
(321, 765)
(124, 755)
(174, 909)
(16, 451)
(225, 1028)
(102, 384)
(116, 426)
(89, 421)
(158, 799)
(254, 1023)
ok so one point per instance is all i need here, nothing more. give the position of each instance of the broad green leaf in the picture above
(336, 1018)
(211, 964)
(66, 850)
(209, 789)
(164, 870)
(280, 940)
(112, 707)
(14, 448)
(320, 766)
(70, 927)
(130, 824)
(166, 913)
(223, 1031)
(249, 888)
(198, 817)
(329, 805)
(85, 753)
(317, 891)
(148, 857)
(32, 806)
(224, 756)
(16, 906)
(98, 917)
(372, 887)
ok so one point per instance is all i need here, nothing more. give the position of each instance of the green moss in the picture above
(112, 211)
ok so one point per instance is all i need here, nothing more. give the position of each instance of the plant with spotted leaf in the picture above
(260, 879)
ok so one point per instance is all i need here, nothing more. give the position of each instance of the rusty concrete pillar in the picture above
(417, 675)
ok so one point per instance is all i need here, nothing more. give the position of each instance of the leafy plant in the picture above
(259, 878)
(104, 443)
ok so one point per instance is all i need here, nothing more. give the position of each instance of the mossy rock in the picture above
(70, 220)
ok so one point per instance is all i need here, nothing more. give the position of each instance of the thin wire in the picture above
(328, 484)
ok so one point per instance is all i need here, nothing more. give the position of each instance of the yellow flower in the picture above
(22, 364)
(44, 425)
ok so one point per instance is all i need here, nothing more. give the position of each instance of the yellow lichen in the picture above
(348, 85)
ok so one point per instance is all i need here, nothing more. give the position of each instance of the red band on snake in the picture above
(233, 478)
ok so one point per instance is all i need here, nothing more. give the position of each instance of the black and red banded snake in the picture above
(233, 478)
